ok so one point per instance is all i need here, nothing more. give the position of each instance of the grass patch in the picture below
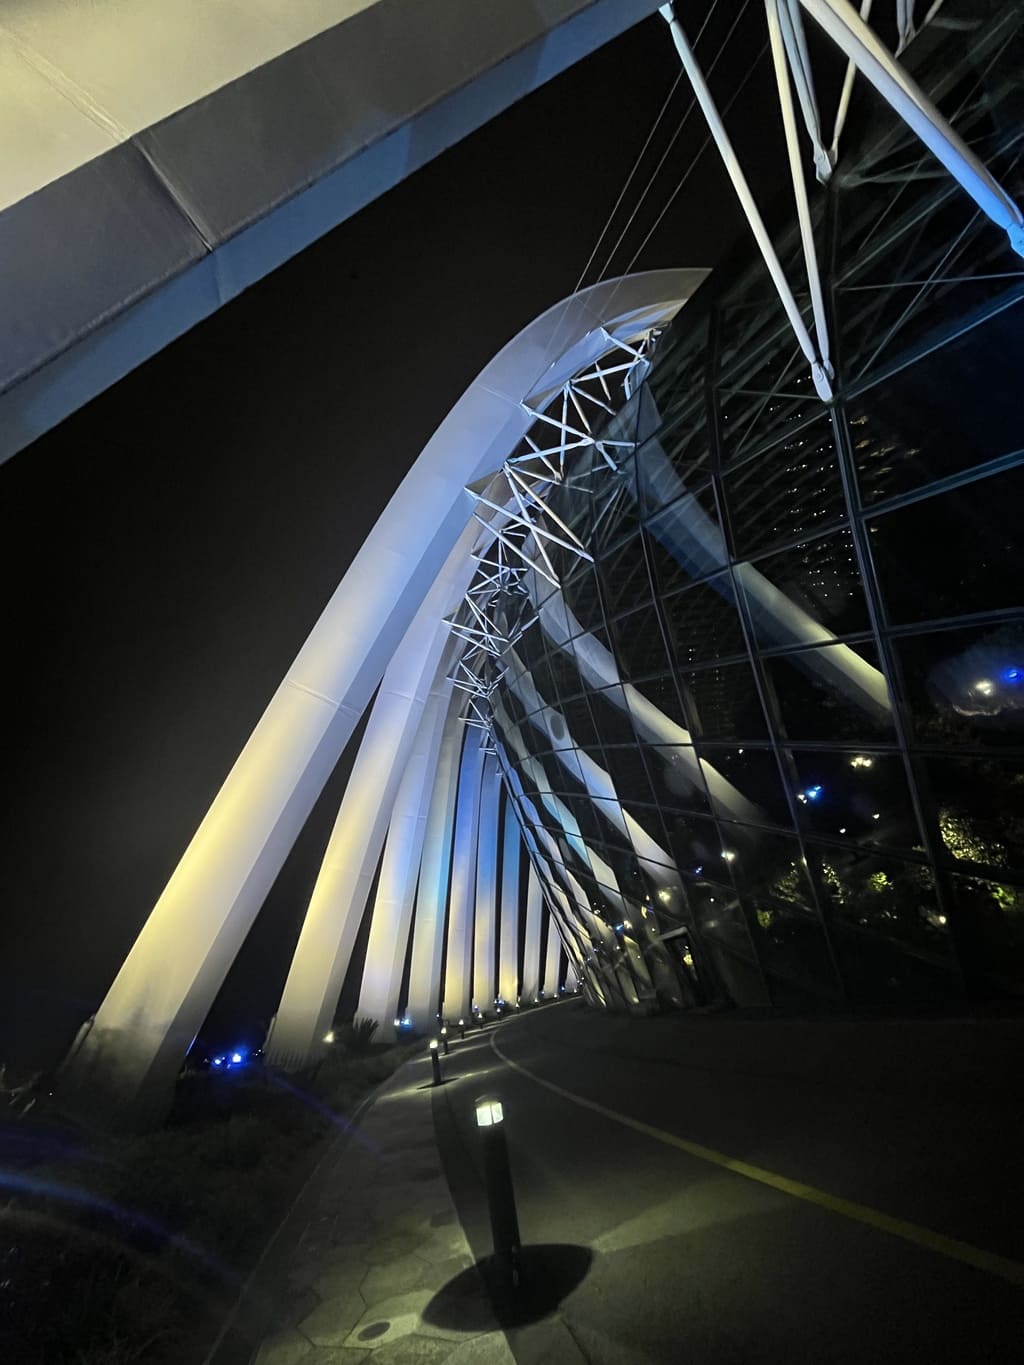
(128, 1250)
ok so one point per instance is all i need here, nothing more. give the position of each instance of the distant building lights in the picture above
(1013, 674)
(236, 1057)
(728, 855)
(985, 686)
(218, 1061)
(664, 895)
(861, 761)
(842, 829)
(877, 815)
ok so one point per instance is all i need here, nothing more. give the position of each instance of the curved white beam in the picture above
(487, 874)
(396, 888)
(508, 948)
(164, 989)
(459, 956)
(434, 877)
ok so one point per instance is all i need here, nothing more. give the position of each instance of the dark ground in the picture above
(915, 1118)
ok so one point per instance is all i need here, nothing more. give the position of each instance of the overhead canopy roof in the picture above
(156, 159)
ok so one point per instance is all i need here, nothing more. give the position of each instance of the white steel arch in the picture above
(420, 548)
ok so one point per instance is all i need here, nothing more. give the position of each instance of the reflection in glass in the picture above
(752, 772)
(954, 553)
(703, 623)
(855, 797)
(925, 422)
(805, 595)
(792, 490)
(966, 686)
(724, 702)
(991, 921)
(837, 692)
(980, 805)
(638, 643)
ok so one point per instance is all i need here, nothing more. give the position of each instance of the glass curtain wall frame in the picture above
(861, 686)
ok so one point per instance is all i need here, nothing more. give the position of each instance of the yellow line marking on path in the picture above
(988, 1261)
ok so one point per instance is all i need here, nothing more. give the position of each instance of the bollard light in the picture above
(435, 1061)
(444, 1041)
(462, 1028)
(488, 1113)
(501, 1200)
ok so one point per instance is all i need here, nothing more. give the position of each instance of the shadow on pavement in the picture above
(550, 1272)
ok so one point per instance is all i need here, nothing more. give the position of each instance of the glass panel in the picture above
(724, 702)
(583, 599)
(677, 778)
(657, 711)
(616, 515)
(767, 864)
(980, 804)
(954, 553)
(676, 382)
(611, 716)
(884, 896)
(626, 768)
(697, 847)
(991, 931)
(745, 785)
(703, 622)
(836, 692)
(857, 798)
(685, 540)
(789, 491)
(927, 422)
(623, 574)
(669, 462)
(807, 594)
(966, 686)
(639, 647)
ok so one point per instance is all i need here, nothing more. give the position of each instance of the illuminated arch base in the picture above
(422, 774)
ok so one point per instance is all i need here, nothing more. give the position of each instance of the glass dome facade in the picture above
(769, 744)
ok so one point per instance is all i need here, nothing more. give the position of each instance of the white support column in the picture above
(552, 958)
(485, 919)
(434, 877)
(324, 950)
(861, 45)
(508, 951)
(531, 946)
(459, 958)
(396, 888)
(166, 985)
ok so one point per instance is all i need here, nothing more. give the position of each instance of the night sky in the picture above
(168, 548)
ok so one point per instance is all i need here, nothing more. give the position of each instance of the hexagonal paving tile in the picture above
(330, 1322)
(414, 1350)
(341, 1275)
(284, 1348)
(391, 1319)
(395, 1277)
(390, 1248)
(442, 1244)
(490, 1349)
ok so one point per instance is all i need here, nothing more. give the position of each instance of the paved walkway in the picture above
(372, 1264)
